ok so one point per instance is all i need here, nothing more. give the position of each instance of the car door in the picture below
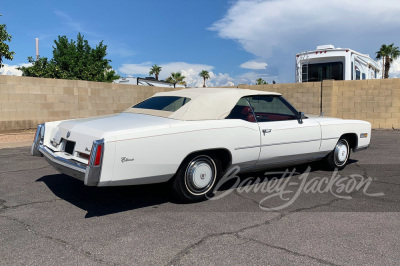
(284, 138)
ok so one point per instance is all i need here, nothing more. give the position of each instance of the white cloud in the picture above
(394, 71)
(254, 65)
(11, 70)
(191, 72)
(277, 29)
(261, 26)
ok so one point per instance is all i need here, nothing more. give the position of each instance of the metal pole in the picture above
(37, 49)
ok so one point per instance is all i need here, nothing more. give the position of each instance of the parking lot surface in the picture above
(47, 218)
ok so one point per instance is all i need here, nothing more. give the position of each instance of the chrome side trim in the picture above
(281, 143)
(142, 180)
(290, 142)
(247, 147)
(64, 166)
(286, 161)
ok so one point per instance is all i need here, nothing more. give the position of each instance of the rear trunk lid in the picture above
(76, 136)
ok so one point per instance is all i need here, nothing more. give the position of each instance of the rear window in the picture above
(163, 103)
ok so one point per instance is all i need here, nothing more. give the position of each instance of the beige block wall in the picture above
(26, 102)
(376, 101)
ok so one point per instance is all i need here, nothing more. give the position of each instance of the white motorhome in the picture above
(328, 62)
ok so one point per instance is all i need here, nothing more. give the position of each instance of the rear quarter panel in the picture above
(157, 154)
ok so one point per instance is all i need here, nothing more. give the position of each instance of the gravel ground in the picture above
(16, 138)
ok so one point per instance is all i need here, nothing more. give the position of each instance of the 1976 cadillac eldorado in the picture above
(192, 136)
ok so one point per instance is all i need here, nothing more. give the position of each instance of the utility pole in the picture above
(37, 49)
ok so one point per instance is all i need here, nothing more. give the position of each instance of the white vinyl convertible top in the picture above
(204, 104)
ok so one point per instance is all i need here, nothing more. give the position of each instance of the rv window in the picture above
(321, 71)
(357, 74)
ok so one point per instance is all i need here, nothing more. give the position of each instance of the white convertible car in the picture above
(192, 136)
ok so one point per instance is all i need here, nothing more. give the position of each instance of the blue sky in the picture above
(237, 41)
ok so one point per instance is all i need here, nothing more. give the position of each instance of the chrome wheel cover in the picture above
(200, 175)
(341, 152)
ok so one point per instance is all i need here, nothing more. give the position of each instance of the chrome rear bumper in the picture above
(65, 166)
(90, 174)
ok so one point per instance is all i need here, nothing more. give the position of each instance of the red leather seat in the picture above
(249, 114)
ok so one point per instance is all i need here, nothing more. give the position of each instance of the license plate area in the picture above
(69, 146)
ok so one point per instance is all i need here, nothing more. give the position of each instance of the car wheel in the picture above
(196, 178)
(338, 158)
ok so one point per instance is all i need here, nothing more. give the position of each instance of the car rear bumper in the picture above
(63, 165)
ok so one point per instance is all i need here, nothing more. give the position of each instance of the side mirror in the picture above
(300, 117)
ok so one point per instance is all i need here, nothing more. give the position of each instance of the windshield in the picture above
(163, 103)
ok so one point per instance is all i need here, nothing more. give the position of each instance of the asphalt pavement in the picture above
(311, 216)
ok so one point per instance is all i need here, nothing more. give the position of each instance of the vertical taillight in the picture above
(98, 155)
(93, 171)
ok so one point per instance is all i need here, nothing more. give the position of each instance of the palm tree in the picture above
(387, 53)
(155, 70)
(205, 75)
(260, 81)
(176, 77)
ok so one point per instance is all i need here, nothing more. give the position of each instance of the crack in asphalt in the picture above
(27, 227)
(23, 170)
(254, 201)
(291, 251)
(387, 183)
(4, 207)
(64, 243)
(178, 257)
(365, 173)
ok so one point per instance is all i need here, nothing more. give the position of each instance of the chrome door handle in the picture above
(266, 131)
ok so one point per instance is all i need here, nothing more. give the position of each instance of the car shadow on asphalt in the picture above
(100, 201)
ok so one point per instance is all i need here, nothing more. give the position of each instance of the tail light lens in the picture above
(98, 155)
(93, 171)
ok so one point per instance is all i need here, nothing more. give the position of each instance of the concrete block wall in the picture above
(376, 101)
(26, 102)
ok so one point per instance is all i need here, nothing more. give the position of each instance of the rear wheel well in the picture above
(352, 139)
(223, 155)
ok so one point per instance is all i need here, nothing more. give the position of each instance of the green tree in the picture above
(205, 75)
(73, 60)
(387, 53)
(176, 77)
(260, 81)
(4, 48)
(155, 70)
